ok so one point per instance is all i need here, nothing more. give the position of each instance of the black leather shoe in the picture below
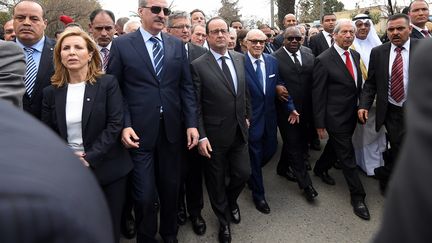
(128, 226)
(181, 215)
(235, 214)
(224, 234)
(325, 177)
(337, 165)
(308, 165)
(262, 206)
(198, 224)
(360, 209)
(310, 193)
(289, 175)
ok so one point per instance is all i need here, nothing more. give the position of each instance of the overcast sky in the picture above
(248, 8)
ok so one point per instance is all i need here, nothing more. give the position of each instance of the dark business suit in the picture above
(157, 161)
(377, 84)
(222, 119)
(318, 44)
(192, 166)
(46, 194)
(278, 41)
(415, 34)
(102, 122)
(33, 104)
(407, 211)
(12, 72)
(263, 127)
(298, 82)
(335, 95)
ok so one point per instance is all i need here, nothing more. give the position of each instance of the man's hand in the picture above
(192, 137)
(81, 156)
(322, 133)
(129, 138)
(281, 93)
(294, 117)
(362, 115)
(204, 148)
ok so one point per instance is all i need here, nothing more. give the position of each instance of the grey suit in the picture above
(12, 71)
(222, 119)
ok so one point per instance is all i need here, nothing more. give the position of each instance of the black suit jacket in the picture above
(378, 80)
(407, 211)
(195, 51)
(44, 189)
(297, 81)
(220, 109)
(334, 92)
(318, 44)
(102, 122)
(33, 104)
(415, 34)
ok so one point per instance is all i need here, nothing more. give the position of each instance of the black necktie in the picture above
(227, 73)
(297, 62)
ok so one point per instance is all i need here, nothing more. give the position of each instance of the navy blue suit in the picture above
(156, 175)
(263, 123)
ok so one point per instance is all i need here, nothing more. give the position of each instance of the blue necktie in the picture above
(259, 74)
(31, 71)
(158, 56)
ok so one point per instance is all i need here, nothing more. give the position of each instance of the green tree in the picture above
(310, 10)
(332, 6)
(284, 7)
(229, 10)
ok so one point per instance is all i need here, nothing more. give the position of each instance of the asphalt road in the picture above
(292, 219)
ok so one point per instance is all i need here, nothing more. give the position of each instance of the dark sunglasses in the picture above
(107, 28)
(294, 38)
(269, 35)
(257, 41)
(157, 10)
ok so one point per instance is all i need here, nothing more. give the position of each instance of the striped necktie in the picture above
(158, 56)
(396, 82)
(31, 71)
(105, 53)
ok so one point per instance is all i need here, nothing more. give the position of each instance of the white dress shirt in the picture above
(342, 55)
(74, 107)
(328, 37)
(229, 63)
(291, 55)
(149, 44)
(262, 66)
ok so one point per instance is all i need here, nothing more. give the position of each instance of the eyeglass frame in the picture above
(158, 9)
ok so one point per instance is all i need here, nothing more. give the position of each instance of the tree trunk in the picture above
(284, 7)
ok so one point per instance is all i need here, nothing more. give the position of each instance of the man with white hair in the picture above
(368, 144)
(131, 26)
(262, 76)
(335, 92)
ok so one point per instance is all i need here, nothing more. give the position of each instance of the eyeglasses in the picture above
(269, 35)
(215, 32)
(254, 42)
(297, 38)
(157, 10)
(181, 26)
(106, 28)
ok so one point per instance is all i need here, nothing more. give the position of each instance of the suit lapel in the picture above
(252, 73)
(338, 60)
(140, 46)
(89, 98)
(238, 65)
(357, 66)
(214, 66)
(60, 108)
(386, 58)
(167, 42)
(44, 65)
(324, 41)
(268, 73)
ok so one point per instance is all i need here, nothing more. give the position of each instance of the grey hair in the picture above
(194, 27)
(142, 3)
(126, 26)
(177, 15)
(285, 33)
(341, 22)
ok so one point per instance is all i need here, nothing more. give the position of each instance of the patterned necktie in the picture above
(348, 64)
(425, 33)
(31, 71)
(331, 39)
(105, 53)
(396, 81)
(227, 73)
(259, 74)
(158, 56)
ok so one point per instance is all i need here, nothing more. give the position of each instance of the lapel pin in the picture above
(88, 99)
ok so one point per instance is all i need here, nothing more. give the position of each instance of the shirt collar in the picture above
(253, 59)
(107, 47)
(146, 35)
(218, 56)
(290, 54)
(340, 50)
(406, 46)
(326, 34)
(38, 46)
(419, 29)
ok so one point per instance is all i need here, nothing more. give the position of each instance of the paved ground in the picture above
(292, 218)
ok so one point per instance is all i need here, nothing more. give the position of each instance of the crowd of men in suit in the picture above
(196, 105)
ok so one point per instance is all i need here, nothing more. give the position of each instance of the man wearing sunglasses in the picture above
(102, 28)
(153, 72)
(269, 47)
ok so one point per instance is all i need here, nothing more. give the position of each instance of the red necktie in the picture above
(348, 64)
(396, 81)
(426, 33)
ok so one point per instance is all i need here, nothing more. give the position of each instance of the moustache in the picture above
(159, 19)
(26, 29)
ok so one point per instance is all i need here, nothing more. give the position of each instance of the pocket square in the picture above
(272, 75)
